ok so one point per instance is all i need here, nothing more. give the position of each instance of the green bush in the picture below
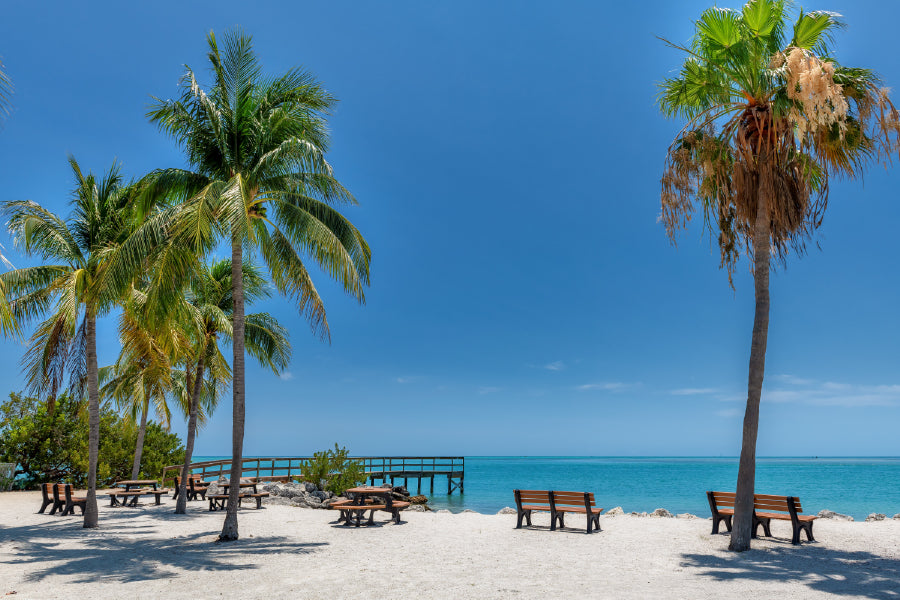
(51, 448)
(333, 470)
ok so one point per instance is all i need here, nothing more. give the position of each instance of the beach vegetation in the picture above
(258, 179)
(333, 470)
(51, 446)
(771, 116)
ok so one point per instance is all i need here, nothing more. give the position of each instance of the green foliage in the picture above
(333, 470)
(54, 447)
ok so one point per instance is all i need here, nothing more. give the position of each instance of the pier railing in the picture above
(384, 468)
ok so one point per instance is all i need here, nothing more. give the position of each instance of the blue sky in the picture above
(506, 158)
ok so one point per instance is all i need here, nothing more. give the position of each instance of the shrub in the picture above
(52, 448)
(333, 470)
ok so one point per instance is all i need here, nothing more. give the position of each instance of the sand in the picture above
(287, 552)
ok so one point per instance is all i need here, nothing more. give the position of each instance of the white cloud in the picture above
(693, 391)
(788, 389)
(612, 386)
(555, 366)
(286, 376)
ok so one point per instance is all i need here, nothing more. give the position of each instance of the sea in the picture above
(852, 486)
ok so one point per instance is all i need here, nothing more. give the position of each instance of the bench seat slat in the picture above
(576, 509)
(784, 516)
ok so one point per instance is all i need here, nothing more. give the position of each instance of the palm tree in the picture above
(72, 289)
(771, 116)
(256, 148)
(211, 299)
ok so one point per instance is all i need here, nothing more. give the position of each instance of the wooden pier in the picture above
(377, 468)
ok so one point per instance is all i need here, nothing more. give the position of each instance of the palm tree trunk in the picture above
(181, 504)
(91, 515)
(230, 528)
(139, 445)
(743, 508)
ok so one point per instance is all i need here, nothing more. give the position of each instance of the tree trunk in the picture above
(230, 528)
(181, 504)
(91, 515)
(139, 445)
(743, 509)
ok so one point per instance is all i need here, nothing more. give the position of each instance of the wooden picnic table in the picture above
(136, 483)
(381, 500)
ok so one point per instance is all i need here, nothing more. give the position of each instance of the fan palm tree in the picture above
(72, 288)
(211, 298)
(258, 177)
(771, 116)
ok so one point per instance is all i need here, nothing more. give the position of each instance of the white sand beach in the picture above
(149, 552)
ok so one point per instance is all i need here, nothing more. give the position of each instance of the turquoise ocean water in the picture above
(854, 486)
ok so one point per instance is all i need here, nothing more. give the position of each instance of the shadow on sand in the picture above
(122, 551)
(825, 570)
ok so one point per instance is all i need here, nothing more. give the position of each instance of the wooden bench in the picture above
(49, 498)
(70, 501)
(557, 504)
(787, 508)
(198, 487)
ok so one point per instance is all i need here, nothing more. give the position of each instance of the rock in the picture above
(469, 510)
(418, 499)
(876, 517)
(443, 511)
(661, 512)
(416, 508)
(897, 516)
(830, 514)
(637, 514)
(615, 511)
(320, 496)
(507, 510)
(685, 516)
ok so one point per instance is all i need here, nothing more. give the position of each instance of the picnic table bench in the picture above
(787, 508)
(220, 501)
(134, 495)
(557, 504)
(194, 487)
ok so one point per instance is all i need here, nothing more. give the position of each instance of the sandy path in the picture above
(149, 552)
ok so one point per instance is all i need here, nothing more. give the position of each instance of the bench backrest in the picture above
(47, 491)
(532, 497)
(763, 502)
(61, 491)
(573, 498)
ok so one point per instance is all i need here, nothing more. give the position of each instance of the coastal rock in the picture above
(876, 517)
(444, 511)
(663, 513)
(469, 510)
(418, 499)
(615, 511)
(416, 508)
(637, 514)
(507, 510)
(897, 516)
(685, 516)
(830, 514)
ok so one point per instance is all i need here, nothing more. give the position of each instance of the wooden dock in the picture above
(377, 468)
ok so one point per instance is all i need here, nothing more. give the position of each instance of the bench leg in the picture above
(371, 517)
(45, 505)
(157, 498)
(396, 515)
(719, 519)
(258, 502)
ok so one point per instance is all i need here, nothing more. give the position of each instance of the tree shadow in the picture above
(826, 570)
(122, 551)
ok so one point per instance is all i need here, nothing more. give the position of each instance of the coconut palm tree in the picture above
(771, 117)
(72, 289)
(258, 177)
(211, 299)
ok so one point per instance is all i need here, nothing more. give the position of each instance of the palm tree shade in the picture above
(72, 289)
(258, 177)
(771, 117)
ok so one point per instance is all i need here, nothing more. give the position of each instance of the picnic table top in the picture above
(368, 489)
(136, 482)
